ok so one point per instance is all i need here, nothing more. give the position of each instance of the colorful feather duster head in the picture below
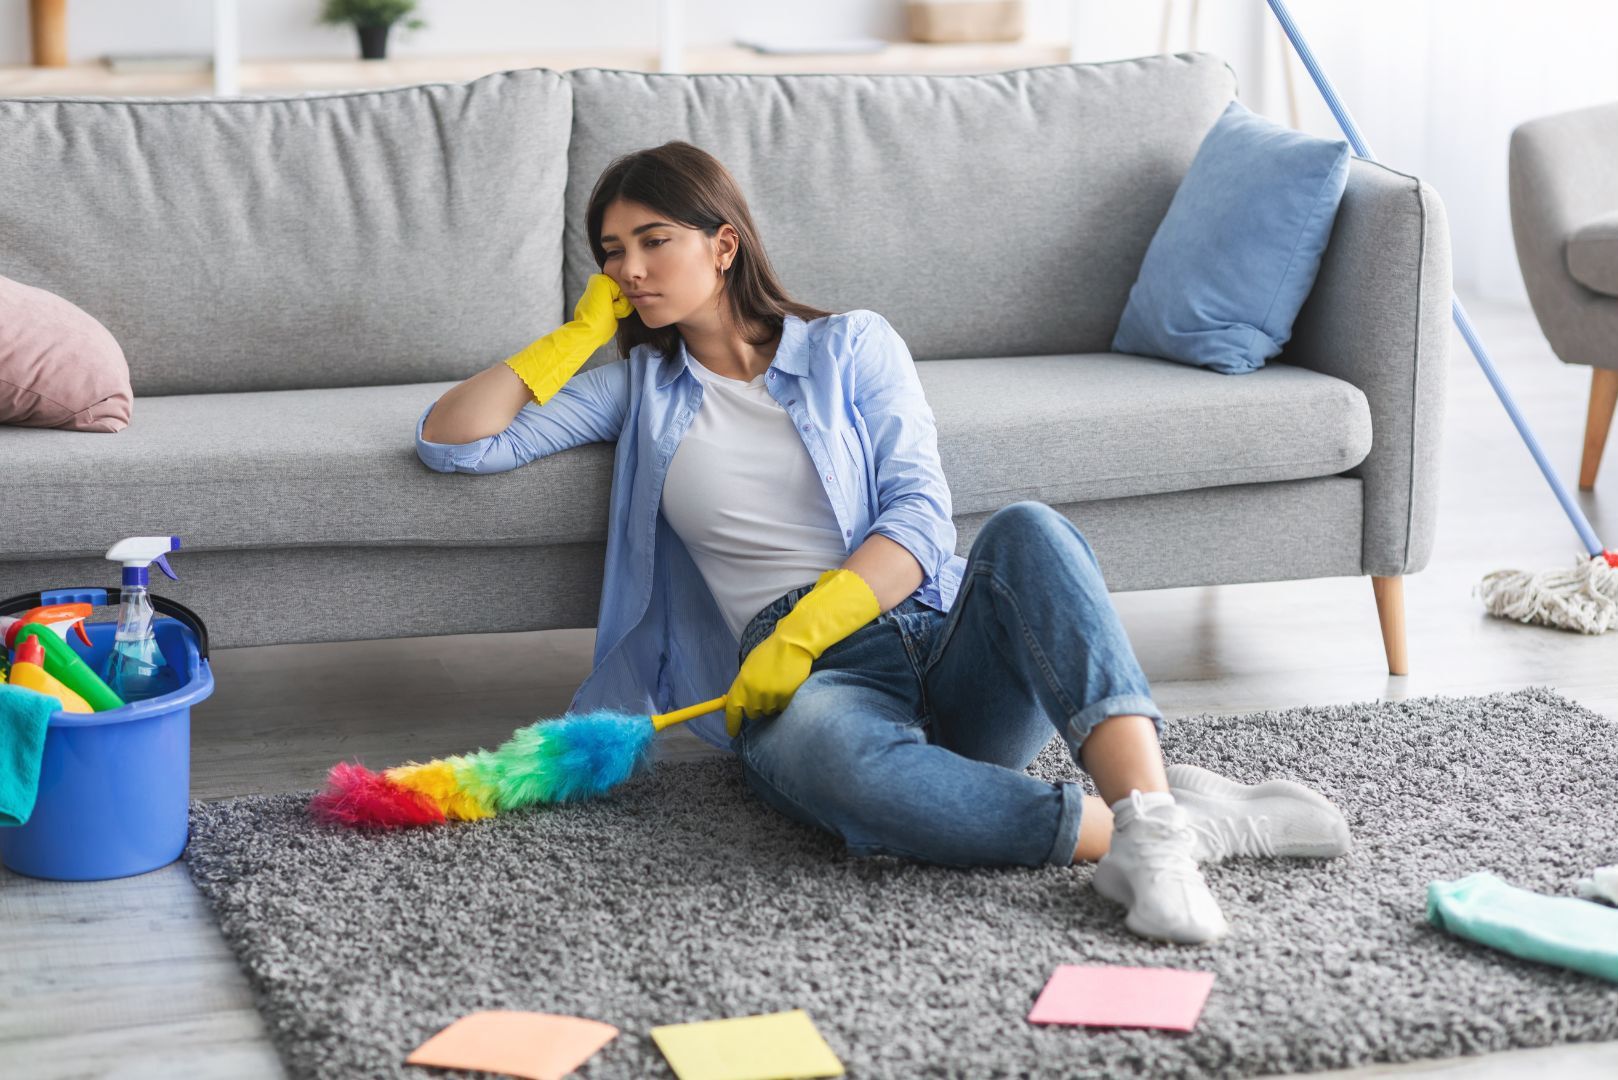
(566, 759)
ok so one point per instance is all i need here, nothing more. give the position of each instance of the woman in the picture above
(777, 487)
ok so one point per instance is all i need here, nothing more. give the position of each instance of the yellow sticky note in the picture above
(775, 1046)
(540, 1046)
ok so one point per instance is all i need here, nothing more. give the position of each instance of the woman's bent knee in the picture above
(1029, 537)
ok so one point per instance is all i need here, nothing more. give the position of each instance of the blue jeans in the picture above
(911, 736)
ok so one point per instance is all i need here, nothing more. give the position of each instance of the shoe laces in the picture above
(1173, 859)
(1248, 834)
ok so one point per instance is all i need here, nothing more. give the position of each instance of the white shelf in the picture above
(231, 76)
(284, 76)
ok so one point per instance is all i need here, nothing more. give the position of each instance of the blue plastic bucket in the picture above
(114, 786)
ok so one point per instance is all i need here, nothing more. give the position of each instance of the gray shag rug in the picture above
(682, 897)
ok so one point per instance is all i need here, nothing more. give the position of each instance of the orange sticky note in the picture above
(1104, 995)
(541, 1046)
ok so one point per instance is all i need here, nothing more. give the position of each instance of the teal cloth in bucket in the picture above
(24, 715)
(1561, 930)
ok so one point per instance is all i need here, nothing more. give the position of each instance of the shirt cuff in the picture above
(926, 552)
(446, 457)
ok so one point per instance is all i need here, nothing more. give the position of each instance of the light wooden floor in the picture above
(130, 978)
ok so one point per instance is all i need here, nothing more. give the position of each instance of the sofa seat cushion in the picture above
(1106, 425)
(338, 467)
(278, 468)
(1592, 255)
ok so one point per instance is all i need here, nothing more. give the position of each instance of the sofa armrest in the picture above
(1379, 317)
(1560, 177)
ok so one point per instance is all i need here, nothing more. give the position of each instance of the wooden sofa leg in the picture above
(1390, 609)
(1603, 396)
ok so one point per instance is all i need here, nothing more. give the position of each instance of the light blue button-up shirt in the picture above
(849, 384)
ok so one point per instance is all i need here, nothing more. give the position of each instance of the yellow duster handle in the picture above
(663, 720)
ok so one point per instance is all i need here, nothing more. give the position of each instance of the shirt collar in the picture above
(790, 355)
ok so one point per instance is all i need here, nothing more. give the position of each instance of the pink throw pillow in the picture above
(59, 367)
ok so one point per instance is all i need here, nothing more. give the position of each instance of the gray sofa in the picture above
(1564, 220)
(294, 279)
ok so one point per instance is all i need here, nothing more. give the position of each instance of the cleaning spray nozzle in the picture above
(59, 617)
(137, 553)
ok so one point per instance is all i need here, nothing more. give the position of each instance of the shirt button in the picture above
(848, 532)
(794, 401)
(828, 478)
(772, 373)
(806, 427)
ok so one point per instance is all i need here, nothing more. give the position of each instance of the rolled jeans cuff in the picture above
(1079, 728)
(1067, 825)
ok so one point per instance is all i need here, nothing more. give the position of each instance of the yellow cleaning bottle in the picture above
(28, 671)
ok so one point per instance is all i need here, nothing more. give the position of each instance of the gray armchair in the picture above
(1564, 218)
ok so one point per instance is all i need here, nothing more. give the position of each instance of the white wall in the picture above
(1435, 85)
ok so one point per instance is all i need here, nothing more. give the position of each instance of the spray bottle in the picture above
(58, 617)
(65, 665)
(29, 673)
(135, 668)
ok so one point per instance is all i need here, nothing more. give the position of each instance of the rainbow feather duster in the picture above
(565, 759)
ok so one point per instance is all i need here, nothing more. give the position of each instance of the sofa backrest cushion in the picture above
(265, 243)
(1001, 214)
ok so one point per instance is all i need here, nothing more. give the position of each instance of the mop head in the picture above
(550, 761)
(1584, 599)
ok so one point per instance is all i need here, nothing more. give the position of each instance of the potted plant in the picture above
(372, 19)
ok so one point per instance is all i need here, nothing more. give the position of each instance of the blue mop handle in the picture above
(1344, 121)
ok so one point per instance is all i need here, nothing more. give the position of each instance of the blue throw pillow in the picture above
(1237, 253)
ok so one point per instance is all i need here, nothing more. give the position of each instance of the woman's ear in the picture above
(726, 243)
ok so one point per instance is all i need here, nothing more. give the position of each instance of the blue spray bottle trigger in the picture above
(162, 562)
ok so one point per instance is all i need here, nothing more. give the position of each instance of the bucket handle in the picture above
(97, 596)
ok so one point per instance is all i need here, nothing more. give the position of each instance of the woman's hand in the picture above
(601, 306)
(546, 365)
(769, 677)
(839, 604)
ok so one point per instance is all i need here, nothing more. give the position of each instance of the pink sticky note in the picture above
(1101, 995)
(541, 1046)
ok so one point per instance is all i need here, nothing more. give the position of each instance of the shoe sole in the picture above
(1199, 781)
(1114, 885)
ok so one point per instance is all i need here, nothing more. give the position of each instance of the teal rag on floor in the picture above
(1561, 930)
(24, 715)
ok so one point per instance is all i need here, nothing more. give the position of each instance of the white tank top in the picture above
(744, 497)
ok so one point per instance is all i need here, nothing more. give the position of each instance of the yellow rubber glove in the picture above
(547, 364)
(839, 604)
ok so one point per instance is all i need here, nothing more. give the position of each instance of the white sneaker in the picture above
(1150, 870)
(1277, 817)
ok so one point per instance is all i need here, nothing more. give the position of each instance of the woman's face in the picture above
(668, 271)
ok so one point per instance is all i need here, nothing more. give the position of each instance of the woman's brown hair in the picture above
(689, 186)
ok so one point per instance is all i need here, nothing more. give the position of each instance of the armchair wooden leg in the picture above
(1603, 396)
(1390, 609)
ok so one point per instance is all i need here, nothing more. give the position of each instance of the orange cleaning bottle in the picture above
(28, 671)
